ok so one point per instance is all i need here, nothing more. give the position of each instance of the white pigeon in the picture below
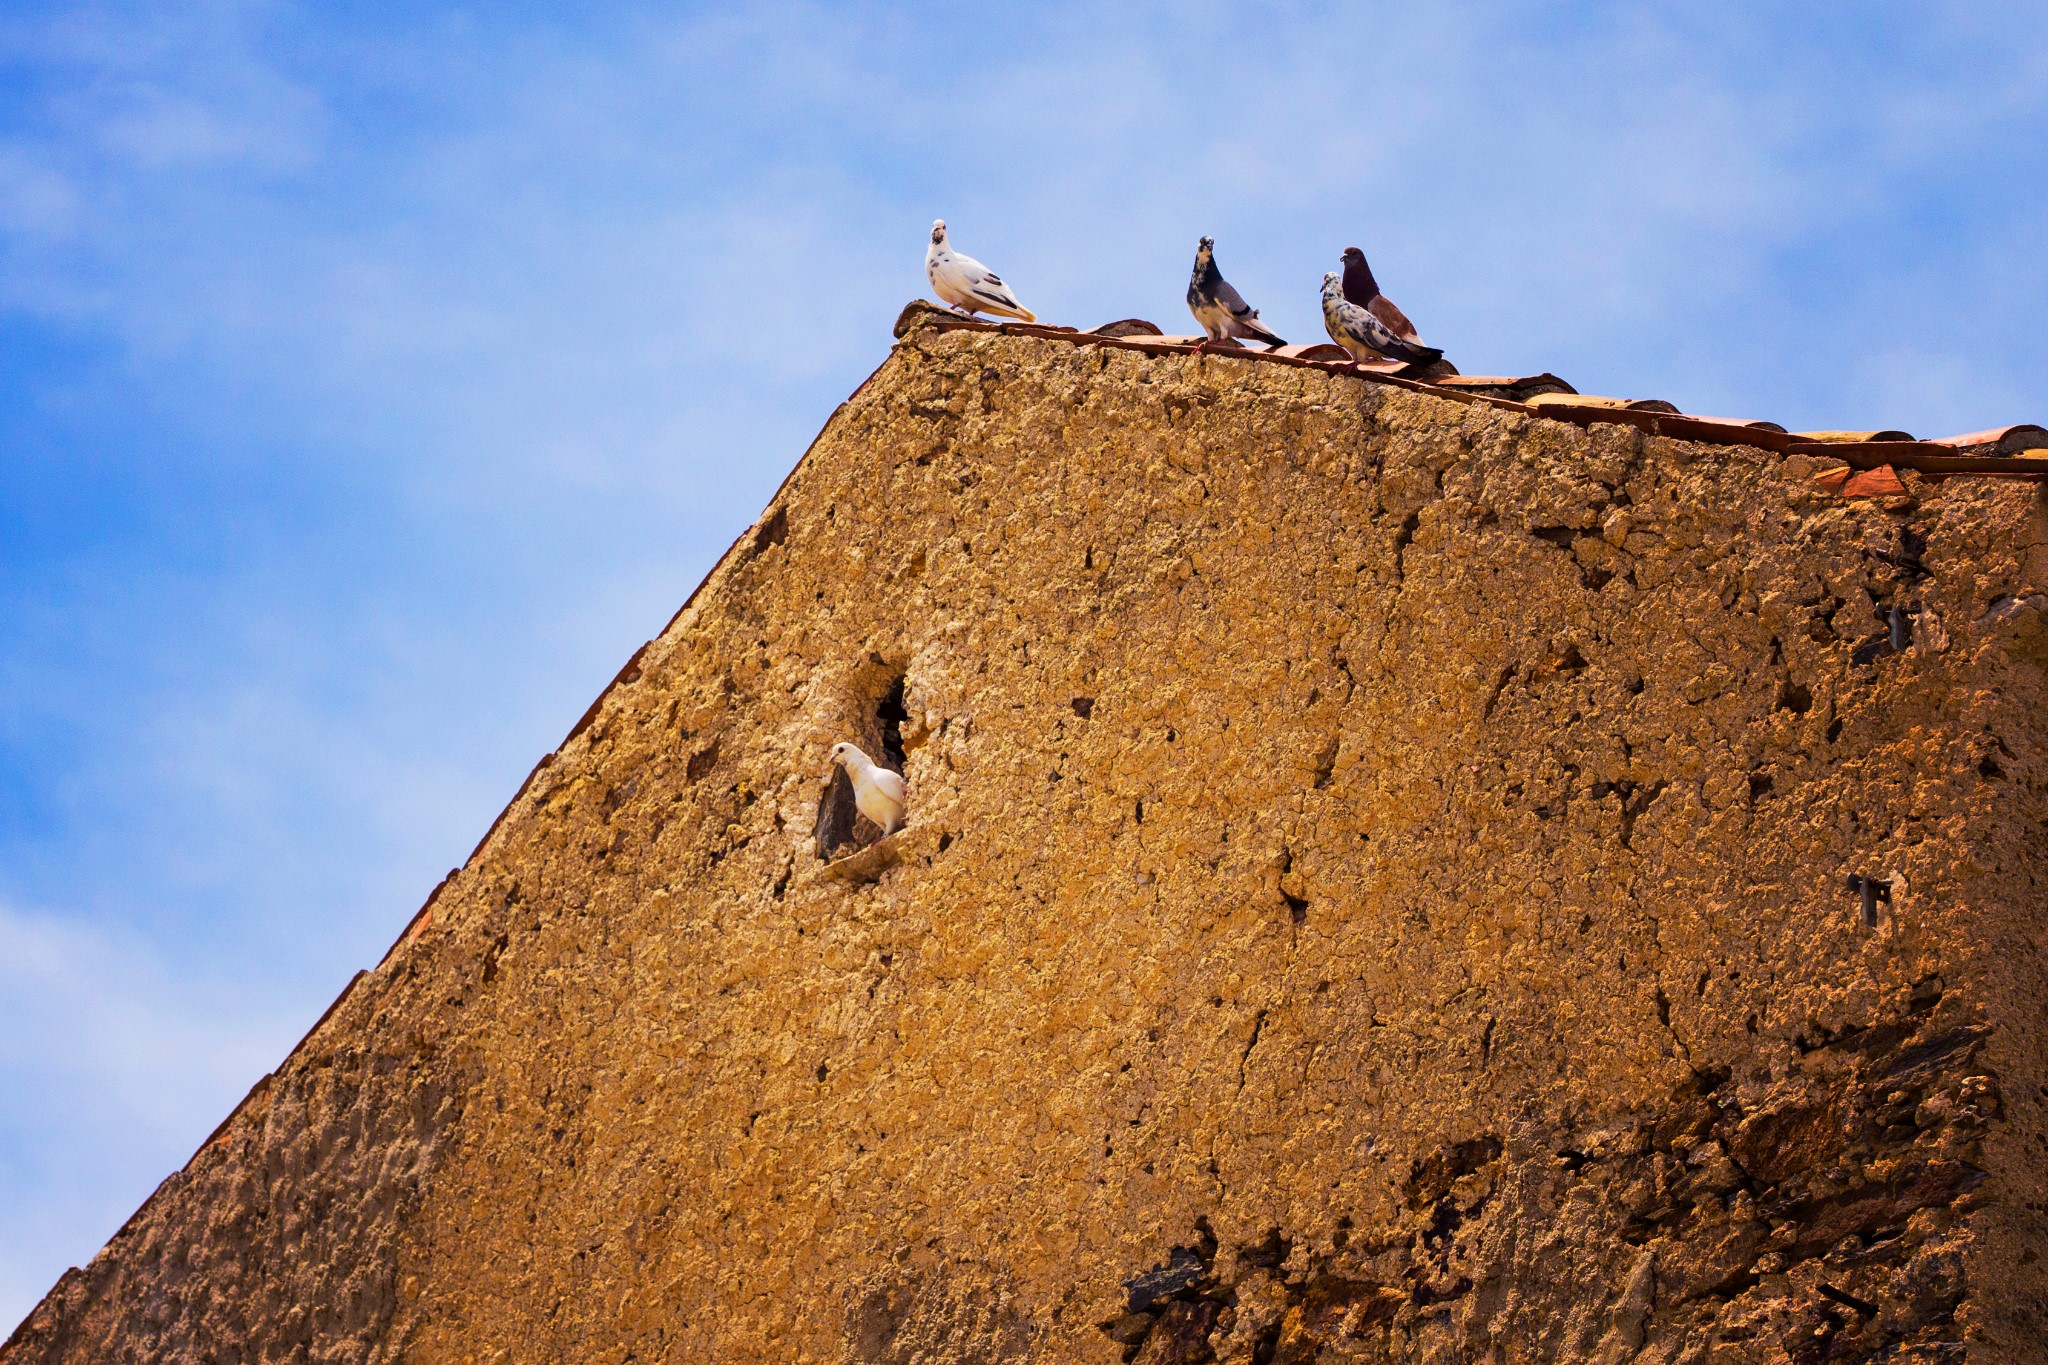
(877, 792)
(967, 284)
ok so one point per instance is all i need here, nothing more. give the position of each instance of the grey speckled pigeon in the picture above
(1220, 309)
(1364, 335)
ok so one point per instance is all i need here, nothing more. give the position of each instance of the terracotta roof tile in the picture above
(1727, 431)
(1125, 327)
(1881, 482)
(1998, 451)
(1594, 400)
(1746, 423)
(1870, 454)
(1998, 441)
(1853, 437)
(1514, 389)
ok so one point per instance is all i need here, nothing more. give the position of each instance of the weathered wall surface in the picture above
(1377, 860)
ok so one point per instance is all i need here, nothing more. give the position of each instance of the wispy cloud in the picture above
(108, 1059)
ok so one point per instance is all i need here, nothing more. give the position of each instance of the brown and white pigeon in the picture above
(1364, 335)
(1220, 309)
(966, 283)
(1362, 289)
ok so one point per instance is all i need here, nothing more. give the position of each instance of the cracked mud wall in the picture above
(1375, 889)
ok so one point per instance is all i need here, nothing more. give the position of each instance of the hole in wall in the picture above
(834, 828)
(889, 717)
(1926, 994)
(1326, 763)
(773, 531)
(840, 828)
(701, 763)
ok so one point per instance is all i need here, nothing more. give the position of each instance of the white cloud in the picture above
(114, 1070)
(35, 200)
(97, 1025)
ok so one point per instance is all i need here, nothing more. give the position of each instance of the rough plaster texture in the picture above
(1374, 891)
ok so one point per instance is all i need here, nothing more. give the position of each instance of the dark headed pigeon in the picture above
(1220, 309)
(1364, 335)
(1362, 289)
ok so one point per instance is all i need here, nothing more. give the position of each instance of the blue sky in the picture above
(375, 377)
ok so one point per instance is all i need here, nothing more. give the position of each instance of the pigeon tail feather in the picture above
(1003, 310)
(1258, 331)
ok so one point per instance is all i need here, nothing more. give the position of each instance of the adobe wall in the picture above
(1379, 861)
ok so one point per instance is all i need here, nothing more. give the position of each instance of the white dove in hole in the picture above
(877, 792)
(966, 283)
